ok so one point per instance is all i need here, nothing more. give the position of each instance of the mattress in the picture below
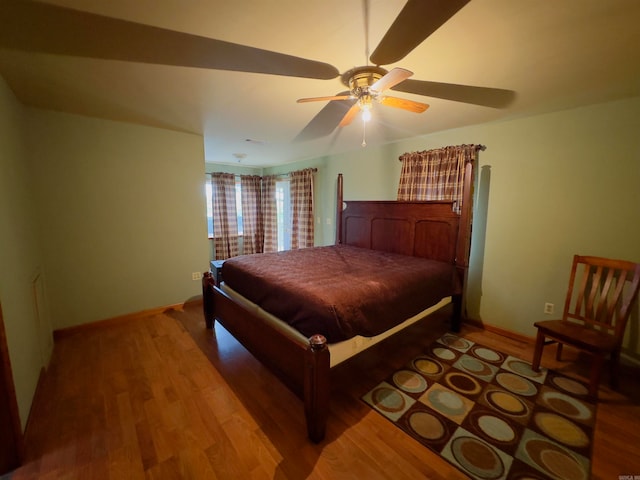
(340, 291)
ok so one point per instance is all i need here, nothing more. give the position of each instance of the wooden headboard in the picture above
(420, 229)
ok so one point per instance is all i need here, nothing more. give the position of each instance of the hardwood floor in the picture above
(162, 397)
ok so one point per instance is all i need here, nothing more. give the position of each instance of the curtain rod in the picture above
(313, 170)
(478, 147)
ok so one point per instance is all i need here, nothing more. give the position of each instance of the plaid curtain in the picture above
(435, 174)
(251, 198)
(225, 220)
(269, 214)
(302, 208)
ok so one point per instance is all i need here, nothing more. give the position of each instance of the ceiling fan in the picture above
(417, 20)
(366, 85)
(47, 28)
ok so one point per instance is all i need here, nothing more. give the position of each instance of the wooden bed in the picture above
(421, 229)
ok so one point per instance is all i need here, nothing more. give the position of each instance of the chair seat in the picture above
(578, 335)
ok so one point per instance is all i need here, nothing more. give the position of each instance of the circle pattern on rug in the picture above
(488, 355)
(566, 405)
(495, 428)
(444, 353)
(516, 384)
(463, 383)
(456, 342)
(388, 400)
(447, 402)
(561, 429)
(553, 460)
(570, 386)
(410, 381)
(428, 366)
(477, 457)
(427, 426)
(523, 368)
(507, 403)
(474, 366)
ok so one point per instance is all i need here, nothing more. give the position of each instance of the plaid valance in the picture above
(435, 174)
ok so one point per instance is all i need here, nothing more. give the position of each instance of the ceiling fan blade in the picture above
(40, 27)
(410, 105)
(484, 96)
(326, 120)
(391, 79)
(417, 20)
(324, 99)
(350, 115)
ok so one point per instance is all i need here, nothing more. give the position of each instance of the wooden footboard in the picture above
(303, 367)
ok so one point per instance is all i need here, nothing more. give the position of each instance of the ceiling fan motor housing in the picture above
(359, 79)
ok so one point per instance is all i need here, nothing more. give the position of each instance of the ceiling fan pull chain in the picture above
(364, 133)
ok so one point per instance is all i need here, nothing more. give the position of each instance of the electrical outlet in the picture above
(548, 308)
(196, 276)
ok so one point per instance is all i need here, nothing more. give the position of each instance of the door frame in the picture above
(11, 436)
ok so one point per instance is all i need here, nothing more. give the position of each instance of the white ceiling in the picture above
(554, 54)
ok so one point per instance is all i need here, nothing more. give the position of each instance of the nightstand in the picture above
(216, 270)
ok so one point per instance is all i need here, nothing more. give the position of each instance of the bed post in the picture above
(207, 298)
(456, 315)
(462, 246)
(339, 200)
(464, 236)
(316, 387)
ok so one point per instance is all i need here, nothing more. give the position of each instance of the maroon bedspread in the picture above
(339, 291)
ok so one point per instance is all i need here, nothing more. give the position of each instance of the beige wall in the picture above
(122, 215)
(29, 338)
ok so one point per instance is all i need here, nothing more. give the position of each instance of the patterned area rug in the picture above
(490, 414)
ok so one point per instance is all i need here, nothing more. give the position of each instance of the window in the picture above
(283, 209)
(209, 195)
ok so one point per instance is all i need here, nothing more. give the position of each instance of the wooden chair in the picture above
(598, 304)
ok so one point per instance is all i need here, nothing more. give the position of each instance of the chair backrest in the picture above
(601, 293)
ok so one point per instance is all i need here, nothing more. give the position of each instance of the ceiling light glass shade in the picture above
(365, 104)
(366, 114)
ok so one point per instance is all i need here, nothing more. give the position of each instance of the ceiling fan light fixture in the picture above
(365, 104)
(366, 114)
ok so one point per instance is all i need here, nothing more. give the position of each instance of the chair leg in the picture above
(596, 371)
(537, 354)
(559, 352)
